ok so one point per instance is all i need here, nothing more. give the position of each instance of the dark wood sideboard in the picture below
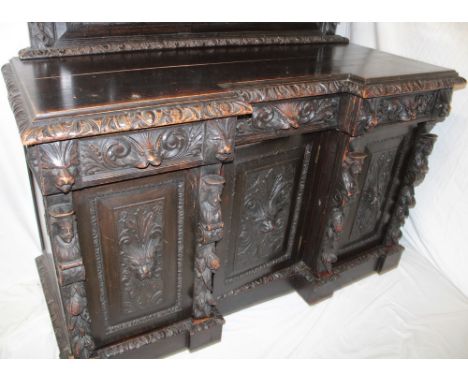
(182, 171)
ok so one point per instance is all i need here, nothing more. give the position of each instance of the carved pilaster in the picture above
(71, 274)
(42, 35)
(344, 193)
(415, 173)
(210, 230)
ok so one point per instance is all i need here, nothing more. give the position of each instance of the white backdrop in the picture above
(418, 310)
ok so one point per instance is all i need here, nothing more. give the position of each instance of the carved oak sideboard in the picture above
(178, 177)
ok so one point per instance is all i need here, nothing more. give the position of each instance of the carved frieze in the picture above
(415, 173)
(140, 237)
(210, 230)
(346, 190)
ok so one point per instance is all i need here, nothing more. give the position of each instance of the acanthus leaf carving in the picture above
(376, 111)
(141, 150)
(140, 239)
(274, 116)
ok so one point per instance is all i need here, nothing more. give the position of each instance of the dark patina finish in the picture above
(201, 168)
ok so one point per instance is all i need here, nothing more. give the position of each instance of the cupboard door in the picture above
(262, 203)
(369, 211)
(137, 243)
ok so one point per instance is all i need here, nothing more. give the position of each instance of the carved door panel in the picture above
(262, 203)
(369, 209)
(137, 241)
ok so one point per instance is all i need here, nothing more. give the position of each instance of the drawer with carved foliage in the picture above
(281, 118)
(74, 164)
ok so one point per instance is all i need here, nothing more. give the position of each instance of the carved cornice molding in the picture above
(133, 120)
(238, 101)
(263, 91)
(152, 43)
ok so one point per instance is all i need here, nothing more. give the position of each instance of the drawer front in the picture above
(137, 244)
(281, 118)
(75, 164)
(262, 203)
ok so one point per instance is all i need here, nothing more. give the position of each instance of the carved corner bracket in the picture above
(346, 190)
(415, 173)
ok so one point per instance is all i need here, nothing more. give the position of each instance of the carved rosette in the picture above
(71, 276)
(210, 230)
(346, 190)
(415, 173)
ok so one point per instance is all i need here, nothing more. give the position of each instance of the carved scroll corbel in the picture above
(345, 192)
(210, 230)
(415, 173)
(71, 275)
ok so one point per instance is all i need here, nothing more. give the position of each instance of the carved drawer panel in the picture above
(134, 239)
(74, 164)
(262, 200)
(280, 118)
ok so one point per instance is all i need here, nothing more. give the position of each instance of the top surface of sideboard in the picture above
(57, 90)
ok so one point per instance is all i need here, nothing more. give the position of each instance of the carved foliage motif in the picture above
(373, 193)
(71, 276)
(140, 238)
(415, 173)
(264, 215)
(402, 109)
(270, 117)
(210, 230)
(346, 190)
(141, 150)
